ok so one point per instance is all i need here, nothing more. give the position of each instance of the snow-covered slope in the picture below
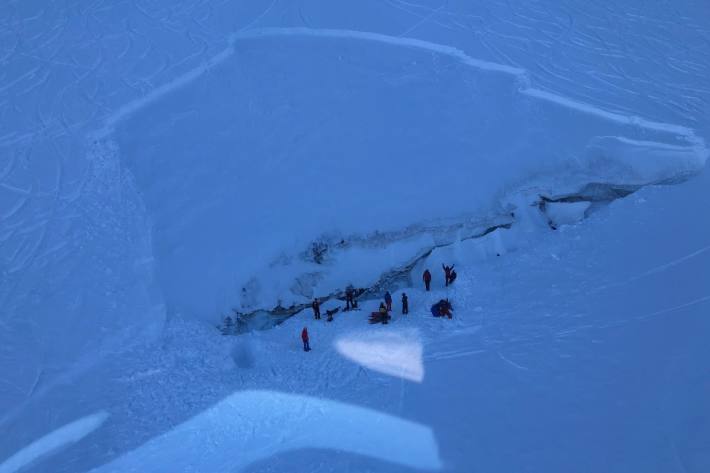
(182, 158)
(397, 133)
(581, 351)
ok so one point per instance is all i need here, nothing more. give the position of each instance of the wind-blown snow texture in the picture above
(174, 160)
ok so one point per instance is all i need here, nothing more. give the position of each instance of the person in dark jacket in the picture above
(452, 276)
(304, 337)
(316, 309)
(330, 313)
(350, 298)
(427, 279)
(405, 303)
(447, 273)
(388, 301)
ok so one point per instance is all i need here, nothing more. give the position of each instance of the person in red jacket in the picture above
(304, 337)
(427, 279)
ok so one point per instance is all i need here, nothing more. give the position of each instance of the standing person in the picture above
(405, 303)
(427, 279)
(316, 309)
(447, 273)
(304, 337)
(349, 298)
(388, 301)
(452, 276)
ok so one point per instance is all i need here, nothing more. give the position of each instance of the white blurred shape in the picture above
(393, 353)
(250, 426)
(51, 442)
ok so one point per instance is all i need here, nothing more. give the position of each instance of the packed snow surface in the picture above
(163, 163)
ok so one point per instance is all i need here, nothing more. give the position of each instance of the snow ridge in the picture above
(685, 133)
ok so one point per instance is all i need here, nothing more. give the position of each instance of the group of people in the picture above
(443, 308)
(449, 276)
(383, 313)
(388, 302)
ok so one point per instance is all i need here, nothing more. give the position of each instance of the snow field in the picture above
(158, 158)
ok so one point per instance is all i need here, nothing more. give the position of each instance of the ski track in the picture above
(512, 363)
(674, 308)
(453, 354)
(671, 264)
(425, 19)
(654, 270)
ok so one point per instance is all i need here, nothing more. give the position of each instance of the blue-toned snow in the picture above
(164, 162)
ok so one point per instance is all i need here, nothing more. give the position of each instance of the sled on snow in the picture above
(379, 318)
